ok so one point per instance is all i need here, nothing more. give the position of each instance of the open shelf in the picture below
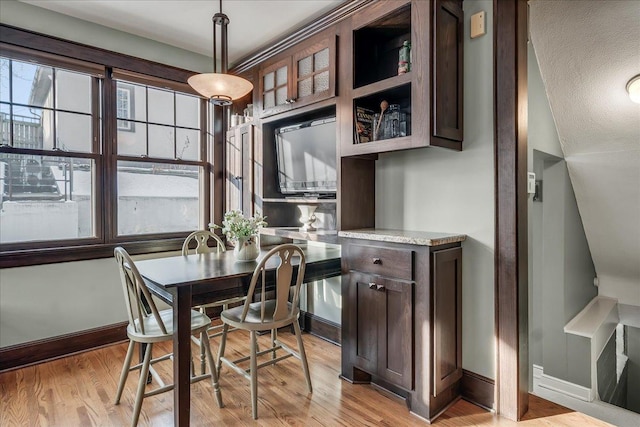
(327, 236)
(367, 111)
(301, 200)
(376, 47)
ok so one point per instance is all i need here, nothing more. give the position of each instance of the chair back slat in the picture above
(140, 303)
(284, 272)
(202, 238)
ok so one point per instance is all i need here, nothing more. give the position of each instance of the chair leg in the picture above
(303, 356)
(202, 349)
(274, 337)
(125, 371)
(223, 343)
(204, 338)
(254, 376)
(144, 373)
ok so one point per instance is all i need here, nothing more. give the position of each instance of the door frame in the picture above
(511, 257)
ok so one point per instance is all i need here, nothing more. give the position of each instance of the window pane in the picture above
(5, 124)
(161, 141)
(73, 91)
(188, 144)
(157, 198)
(187, 111)
(4, 79)
(132, 138)
(281, 76)
(32, 128)
(321, 82)
(268, 81)
(161, 106)
(321, 59)
(281, 95)
(269, 100)
(304, 88)
(74, 132)
(131, 101)
(45, 198)
(32, 84)
(305, 66)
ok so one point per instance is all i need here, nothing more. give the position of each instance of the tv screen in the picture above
(306, 157)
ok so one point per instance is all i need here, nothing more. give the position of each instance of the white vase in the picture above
(247, 248)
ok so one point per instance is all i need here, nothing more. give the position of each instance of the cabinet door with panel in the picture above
(447, 318)
(304, 75)
(383, 335)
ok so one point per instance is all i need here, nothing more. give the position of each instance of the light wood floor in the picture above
(79, 390)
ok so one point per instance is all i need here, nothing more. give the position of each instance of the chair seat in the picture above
(252, 322)
(153, 333)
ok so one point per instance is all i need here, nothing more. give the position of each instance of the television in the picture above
(306, 158)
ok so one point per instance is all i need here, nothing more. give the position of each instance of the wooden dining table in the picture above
(185, 281)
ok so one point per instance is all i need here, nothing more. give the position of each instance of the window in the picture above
(125, 107)
(160, 163)
(50, 133)
(92, 157)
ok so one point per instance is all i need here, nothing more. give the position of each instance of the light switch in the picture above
(531, 182)
(477, 25)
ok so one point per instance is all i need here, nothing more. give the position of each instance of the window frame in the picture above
(23, 45)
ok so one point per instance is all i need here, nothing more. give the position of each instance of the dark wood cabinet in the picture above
(383, 335)
(302, 75)
(428, 97)
(401, 322)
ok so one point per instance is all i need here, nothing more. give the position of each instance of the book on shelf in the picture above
(363, 125)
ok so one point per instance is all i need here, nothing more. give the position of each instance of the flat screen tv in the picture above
(306, 157)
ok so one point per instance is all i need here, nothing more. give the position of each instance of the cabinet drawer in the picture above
(383, 261)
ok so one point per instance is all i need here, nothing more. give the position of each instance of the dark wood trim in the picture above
(478, 390)
(30, 353)
(304, 31)
(510, 113)
(23, 258)
(57, 46)
(323, 328)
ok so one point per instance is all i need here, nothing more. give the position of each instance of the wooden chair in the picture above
(147, 325)
(268, 315)
(202, 238)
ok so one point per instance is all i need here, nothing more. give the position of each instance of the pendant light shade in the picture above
(221, 88)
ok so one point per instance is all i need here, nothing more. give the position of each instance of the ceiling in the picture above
(587, 52)
(187, 23)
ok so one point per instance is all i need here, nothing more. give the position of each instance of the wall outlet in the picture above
(478, 26)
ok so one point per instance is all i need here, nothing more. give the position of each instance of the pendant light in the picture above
(219, 87)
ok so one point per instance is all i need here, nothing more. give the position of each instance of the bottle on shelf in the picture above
(404, 58)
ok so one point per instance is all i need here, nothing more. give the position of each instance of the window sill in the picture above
(27, 257)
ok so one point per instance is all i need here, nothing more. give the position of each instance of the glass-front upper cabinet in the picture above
(301, 76)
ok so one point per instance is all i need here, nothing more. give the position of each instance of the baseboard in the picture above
(540, 379)
(30, 353)
(478, 390)
(323, 328)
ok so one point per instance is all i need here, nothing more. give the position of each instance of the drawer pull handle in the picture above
(379, 287)
(372, 285)
(377, 261)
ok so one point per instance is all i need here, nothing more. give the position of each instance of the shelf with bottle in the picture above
(382, 48)
(383, 115)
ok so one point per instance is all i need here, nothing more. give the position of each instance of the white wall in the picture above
(44, 21)
(436, 189)
(561, 270)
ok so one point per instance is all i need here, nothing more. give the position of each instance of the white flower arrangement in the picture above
(235, 225)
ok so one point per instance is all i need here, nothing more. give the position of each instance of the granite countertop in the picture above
(424, 238)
